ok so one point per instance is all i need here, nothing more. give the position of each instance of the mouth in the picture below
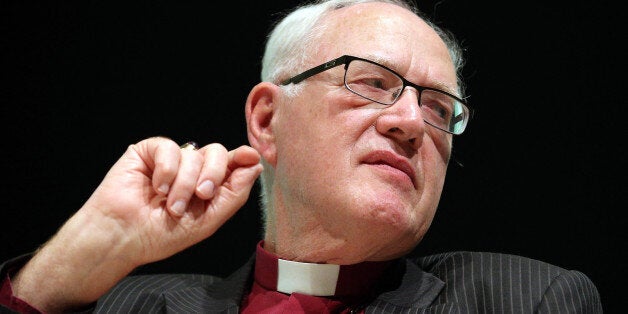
(391, 160)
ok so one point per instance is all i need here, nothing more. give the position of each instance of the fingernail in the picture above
(178, 207)
(206, 188)
(163, 188)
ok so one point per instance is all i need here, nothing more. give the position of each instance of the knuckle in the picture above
(193, 157)
(186, 187)
(165, 167)
(216, 148)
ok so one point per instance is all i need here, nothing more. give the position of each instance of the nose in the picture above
(403, 121)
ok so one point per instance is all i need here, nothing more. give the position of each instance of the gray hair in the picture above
(288, 47)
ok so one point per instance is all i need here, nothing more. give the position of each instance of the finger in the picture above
(185, 181)
(213, 171)
(233, 194)
(161, 156)
(243, 156)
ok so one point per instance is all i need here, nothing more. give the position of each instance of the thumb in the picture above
(234, 192)
(242, 179)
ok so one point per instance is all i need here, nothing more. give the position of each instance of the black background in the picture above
(539, 172)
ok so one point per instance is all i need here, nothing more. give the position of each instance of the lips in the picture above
(383, 157)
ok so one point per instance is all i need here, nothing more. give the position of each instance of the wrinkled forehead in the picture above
(388, 34)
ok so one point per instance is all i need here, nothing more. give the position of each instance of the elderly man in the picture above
(353, 127)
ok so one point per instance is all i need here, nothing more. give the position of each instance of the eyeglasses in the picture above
(382, 85)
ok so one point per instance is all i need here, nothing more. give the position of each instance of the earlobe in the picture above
(260, 109)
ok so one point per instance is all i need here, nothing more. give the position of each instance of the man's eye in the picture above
(375, 83)
(436, 110)
(441, 112)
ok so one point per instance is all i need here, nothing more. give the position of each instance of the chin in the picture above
(391, 210)
(395, 230)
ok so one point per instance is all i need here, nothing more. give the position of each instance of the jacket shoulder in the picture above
(482, 261)
(491, 282)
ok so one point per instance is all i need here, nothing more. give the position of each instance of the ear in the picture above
(260, 109)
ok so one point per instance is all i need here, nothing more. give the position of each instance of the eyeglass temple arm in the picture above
(315, 70)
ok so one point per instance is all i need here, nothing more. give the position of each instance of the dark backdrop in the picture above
(538, 172)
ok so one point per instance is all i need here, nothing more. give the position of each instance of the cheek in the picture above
(326, 137)
(311, 146)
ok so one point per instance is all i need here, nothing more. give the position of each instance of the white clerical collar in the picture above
(307, 278)
(273, 273)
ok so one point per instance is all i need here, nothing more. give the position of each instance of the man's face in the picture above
(356, 180)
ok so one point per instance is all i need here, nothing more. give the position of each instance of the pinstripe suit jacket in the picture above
(456, 282)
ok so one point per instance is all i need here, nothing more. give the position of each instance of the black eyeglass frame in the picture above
(346, 59)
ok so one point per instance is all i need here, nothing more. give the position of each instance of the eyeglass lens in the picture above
(380, 85)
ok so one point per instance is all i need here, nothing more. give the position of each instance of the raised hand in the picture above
(156, 200)
(164, 199)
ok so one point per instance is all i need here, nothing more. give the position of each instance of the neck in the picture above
(311, 247)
